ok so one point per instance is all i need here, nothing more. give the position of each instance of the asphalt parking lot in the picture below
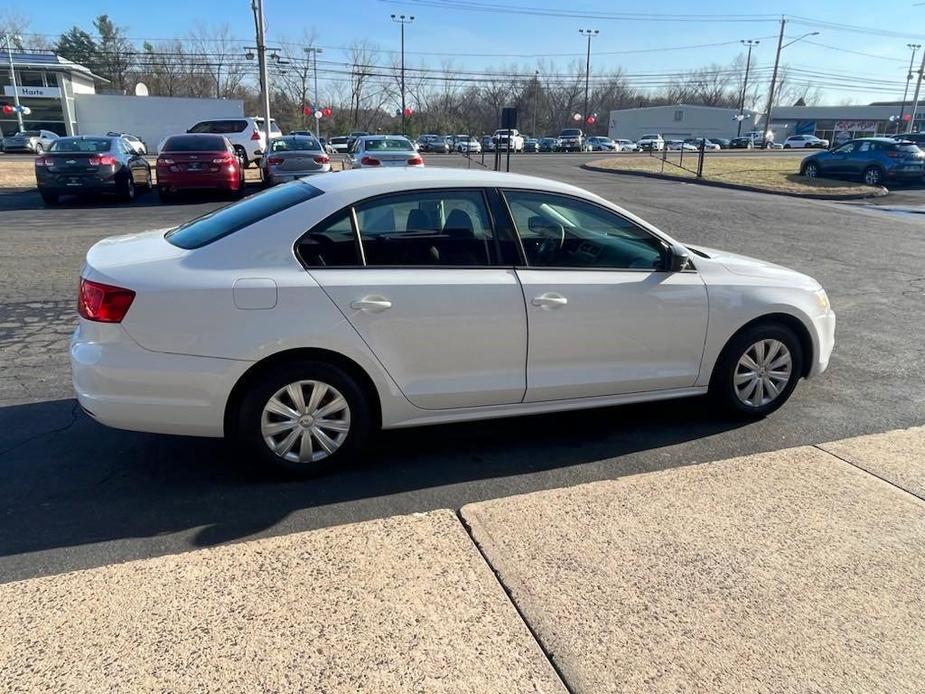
(77, 494)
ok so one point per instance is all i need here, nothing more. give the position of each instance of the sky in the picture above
(865, 61)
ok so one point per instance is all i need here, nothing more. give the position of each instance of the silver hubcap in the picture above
(811, 171)
(872, 177)
(305, 422)
(763, 372)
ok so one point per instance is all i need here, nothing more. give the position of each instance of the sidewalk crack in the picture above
(523, 618)
(865, 470)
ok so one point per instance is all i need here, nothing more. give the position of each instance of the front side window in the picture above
(563, 232)
(431, 228)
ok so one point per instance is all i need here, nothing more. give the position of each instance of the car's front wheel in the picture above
(758, 370)
(307, 417)
(39, 149)
(811, 170)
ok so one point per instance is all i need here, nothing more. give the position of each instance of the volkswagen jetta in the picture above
(302, 318)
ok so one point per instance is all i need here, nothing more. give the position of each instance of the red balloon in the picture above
(408, 110)
(7, 109)
(308, 110)
(591, 120)
(907, 117)
(326, 112)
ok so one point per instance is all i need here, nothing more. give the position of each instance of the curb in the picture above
(738, 186)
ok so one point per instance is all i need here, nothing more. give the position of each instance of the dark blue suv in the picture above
(875, 160)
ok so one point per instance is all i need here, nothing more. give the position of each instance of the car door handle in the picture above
(549, 300)
(373, 304)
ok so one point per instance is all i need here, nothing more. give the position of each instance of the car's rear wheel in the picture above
(758, 370)
(164, 194)
(49, 198)
(873, 176)
(127, 189)
(307, 417)
(242, 155)
(811, 169)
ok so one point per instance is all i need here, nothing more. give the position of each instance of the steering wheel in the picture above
(552, 237)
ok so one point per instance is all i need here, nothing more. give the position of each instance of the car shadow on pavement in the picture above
(70, 481)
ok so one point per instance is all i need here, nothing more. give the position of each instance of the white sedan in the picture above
(303, 318)
(377, 151)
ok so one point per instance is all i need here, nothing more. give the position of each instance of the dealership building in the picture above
(62, 97)
(833, 123)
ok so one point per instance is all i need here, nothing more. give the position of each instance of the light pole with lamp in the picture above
(902, 111)
(590, 33)
(536, 89)
(780, 46)
(316, 102)
(402, 19)
(748, 63)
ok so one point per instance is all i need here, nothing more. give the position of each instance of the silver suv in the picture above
(247, 135)
(31, 141)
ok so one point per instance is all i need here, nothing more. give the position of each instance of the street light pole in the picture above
(402, 20)
(748, 62)
(915, 97)
(257, 7)
(536, 89)
(315, 101)
(9, 52)
(590, 33)
(902, 111)
(780, 46)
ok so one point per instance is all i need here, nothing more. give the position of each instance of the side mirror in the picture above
(679, 259)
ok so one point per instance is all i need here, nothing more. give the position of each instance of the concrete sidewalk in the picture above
(798, 570)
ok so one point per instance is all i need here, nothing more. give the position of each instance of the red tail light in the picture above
(43, 161)
(894, 154)
(255, 135)
(415, 161)
(369, 161)
(224, 159)
(275, 161)
(103, 302)
(323, 159)
(164, 161)
(103, 160)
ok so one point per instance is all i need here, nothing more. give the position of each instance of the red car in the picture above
(198, 162)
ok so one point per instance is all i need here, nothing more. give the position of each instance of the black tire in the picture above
(269, 382)
(873, 176)
(242, 155)
(49, 198)
(39, 149)
(786, 146)
(149, 183)
(722, 383)
(811, 170)
(164, 194)
(127, 189)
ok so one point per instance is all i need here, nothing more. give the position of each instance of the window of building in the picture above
(679, 115)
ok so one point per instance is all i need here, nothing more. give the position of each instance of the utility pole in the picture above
(9, 53)
(257, 6)
(402, 20)
(536, 89)
(590, 33)
(902, 111)
(915, 97)
(316, 102)
(767, 122)
(780, 46)
(748, 63)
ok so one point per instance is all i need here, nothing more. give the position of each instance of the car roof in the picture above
(367, 182)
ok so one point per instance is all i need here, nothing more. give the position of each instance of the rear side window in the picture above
(227, 220)
(330, 244)
(194, 143)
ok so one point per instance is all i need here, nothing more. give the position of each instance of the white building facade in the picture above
(679, 121)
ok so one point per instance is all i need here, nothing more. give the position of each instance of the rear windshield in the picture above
(571, 131)
(339, 140)
(907, 147)
(387, 145)
(289, 144)
(221, 127)
(80, 144)
(227, 220)
(194, 143)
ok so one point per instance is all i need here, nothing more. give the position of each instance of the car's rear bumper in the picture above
(203, 181)
(125, 386)
(63, 184)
